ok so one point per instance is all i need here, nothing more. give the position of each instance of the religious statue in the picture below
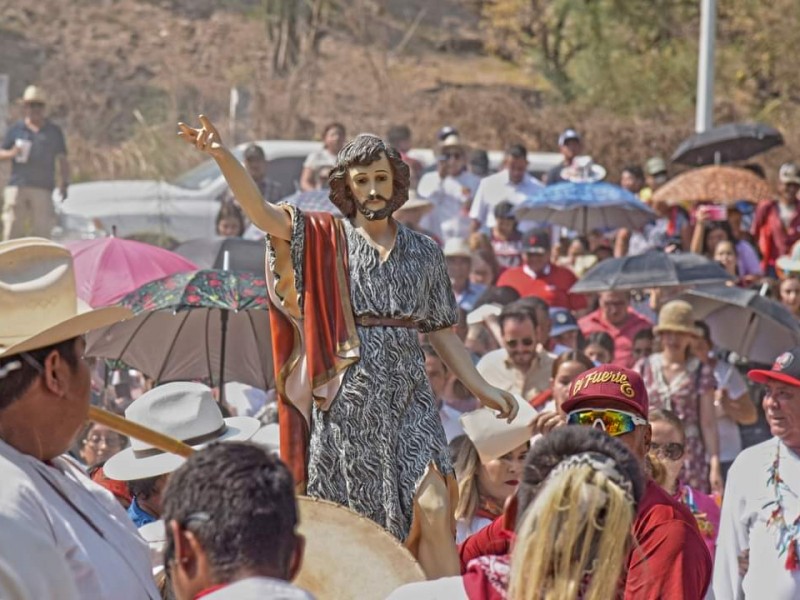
(348, 299)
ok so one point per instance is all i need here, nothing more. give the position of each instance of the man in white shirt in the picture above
(512, 184)
(757, 547)
(44, 398)
(450, 188)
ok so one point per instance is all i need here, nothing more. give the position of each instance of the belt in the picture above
(370, 321)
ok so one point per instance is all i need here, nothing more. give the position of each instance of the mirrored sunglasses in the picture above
(613, 422)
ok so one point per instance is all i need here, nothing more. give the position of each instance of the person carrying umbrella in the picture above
(359, 423)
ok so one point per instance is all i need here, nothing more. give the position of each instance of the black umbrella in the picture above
(209, 253)
(727, 143)
(745, 322)
(653, 269)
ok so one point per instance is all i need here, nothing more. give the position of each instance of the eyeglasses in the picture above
(671, 451)
(613, 422)
(522, 342)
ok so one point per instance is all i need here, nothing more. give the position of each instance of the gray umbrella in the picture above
(745, 322)
(653, 269)
(727, 143)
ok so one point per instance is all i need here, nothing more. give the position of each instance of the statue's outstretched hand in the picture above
(206, 139)
(503, 402)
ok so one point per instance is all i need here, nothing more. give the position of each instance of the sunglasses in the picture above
(455, 155)
(613, 422)
(671, 451)
(522, 342)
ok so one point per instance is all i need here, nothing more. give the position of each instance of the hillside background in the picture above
(121, 73)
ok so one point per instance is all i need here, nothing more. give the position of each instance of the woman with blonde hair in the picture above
(484, 485)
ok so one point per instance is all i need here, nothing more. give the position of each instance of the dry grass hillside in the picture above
(121, 73)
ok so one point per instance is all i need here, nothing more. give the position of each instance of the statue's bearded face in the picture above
(372, 188)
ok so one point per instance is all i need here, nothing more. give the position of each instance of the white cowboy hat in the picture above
(583, 170)
(495, 437)
(182, 410)
(269, 437)
(39, 305)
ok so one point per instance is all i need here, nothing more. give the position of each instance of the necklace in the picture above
(787, 533)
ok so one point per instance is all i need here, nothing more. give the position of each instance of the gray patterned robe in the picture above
(374, 444)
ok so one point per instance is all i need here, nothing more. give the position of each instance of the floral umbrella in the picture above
(726, 185)
(182, 326)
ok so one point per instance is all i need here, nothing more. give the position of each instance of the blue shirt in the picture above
(139, 516)
(39, 171)
(466, 299)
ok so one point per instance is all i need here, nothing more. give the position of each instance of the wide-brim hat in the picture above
(39, 305)
(415, 201)
(583, 170)
(493, 437)
(33, 93)
(456, 247)
(339, 543)
(185, 411)
(677, 316)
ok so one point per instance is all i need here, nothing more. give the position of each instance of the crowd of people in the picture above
(400, 329)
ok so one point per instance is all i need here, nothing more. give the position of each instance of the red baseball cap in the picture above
(786, 369)
(608, 382)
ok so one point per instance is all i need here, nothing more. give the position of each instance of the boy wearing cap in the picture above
(44, 399)
(538, 276)
(762, 498)
(570, 145)
(776, 224)
(669, 559)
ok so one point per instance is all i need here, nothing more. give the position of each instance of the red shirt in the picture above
(623, 335)
(552, 286)
(669, 560)
(772, 237)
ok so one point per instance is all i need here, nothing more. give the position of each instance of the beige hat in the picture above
(457, 247)
(452, 141)
(676, 316)
(39, 305)
(34, 94)
(583, 170)
(495, 437)
(415, 201)
(182, 410)
(339, 545)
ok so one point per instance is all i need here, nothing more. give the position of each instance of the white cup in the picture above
(24, 149)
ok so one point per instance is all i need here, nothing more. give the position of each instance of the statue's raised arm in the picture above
(265, 216)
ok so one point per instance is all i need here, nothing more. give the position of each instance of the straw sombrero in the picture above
(39, 305)
(349, 556)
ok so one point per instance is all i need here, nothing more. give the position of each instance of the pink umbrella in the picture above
(109, 268)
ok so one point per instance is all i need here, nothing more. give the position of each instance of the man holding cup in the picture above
(34, 145)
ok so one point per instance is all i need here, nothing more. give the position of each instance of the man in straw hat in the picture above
(34, 145)
(348, 298)
(450, 187)
(44, 399)
(762, 498)
(231, 519)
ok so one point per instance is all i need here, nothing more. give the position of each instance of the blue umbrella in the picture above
(585, 207)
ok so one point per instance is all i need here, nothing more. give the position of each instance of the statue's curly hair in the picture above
(363, 150)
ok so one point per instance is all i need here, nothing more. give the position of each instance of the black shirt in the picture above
(39, 171)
